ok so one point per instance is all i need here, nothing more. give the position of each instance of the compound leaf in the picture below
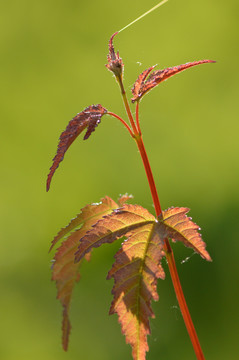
(145, 83)
(65, 272)
(88, 118)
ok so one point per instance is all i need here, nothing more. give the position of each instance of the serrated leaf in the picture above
(139, 84)
(88, 118)
(135, 271)
(87, 217)
(179, 227)
(113, 227)
(138, 263)
(65, 272)
(144, 84)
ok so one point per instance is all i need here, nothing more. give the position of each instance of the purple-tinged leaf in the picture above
(144, 84)
(88, 118)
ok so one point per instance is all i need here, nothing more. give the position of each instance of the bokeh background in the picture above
(52, 66)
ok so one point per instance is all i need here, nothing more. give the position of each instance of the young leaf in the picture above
(64, 271)
(179, 227)
(144, 84)
(115, 63)
(135, 271)
(88, 118)
(140, 83)
(138, 262)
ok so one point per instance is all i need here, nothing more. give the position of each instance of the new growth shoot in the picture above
(137, 265)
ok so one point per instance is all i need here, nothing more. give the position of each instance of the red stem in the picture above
(136, 134)
(123, 122)
(149, 174)
(167, 248)
(147, 166)
(137, 117)
(182, 302)
(170, 258)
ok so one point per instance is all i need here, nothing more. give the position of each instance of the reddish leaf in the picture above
(88, 118)
(136, 269)
(144, 84)
(64, 271)
(109, 229)
(135, 272)
(139, 83)
(115, 63)
(179, 227)
(138, 262)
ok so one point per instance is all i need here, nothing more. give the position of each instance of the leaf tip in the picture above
(66, 329)
(111, 39)
(48, 183)
(207, 257)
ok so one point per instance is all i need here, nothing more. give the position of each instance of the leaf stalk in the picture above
(137, 117)
(122, 121)
(126, 104)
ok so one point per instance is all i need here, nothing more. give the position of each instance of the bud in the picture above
(115, 63)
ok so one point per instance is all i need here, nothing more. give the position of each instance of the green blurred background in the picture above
(52, 66)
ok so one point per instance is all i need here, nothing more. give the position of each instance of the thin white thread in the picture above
(146, 13)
